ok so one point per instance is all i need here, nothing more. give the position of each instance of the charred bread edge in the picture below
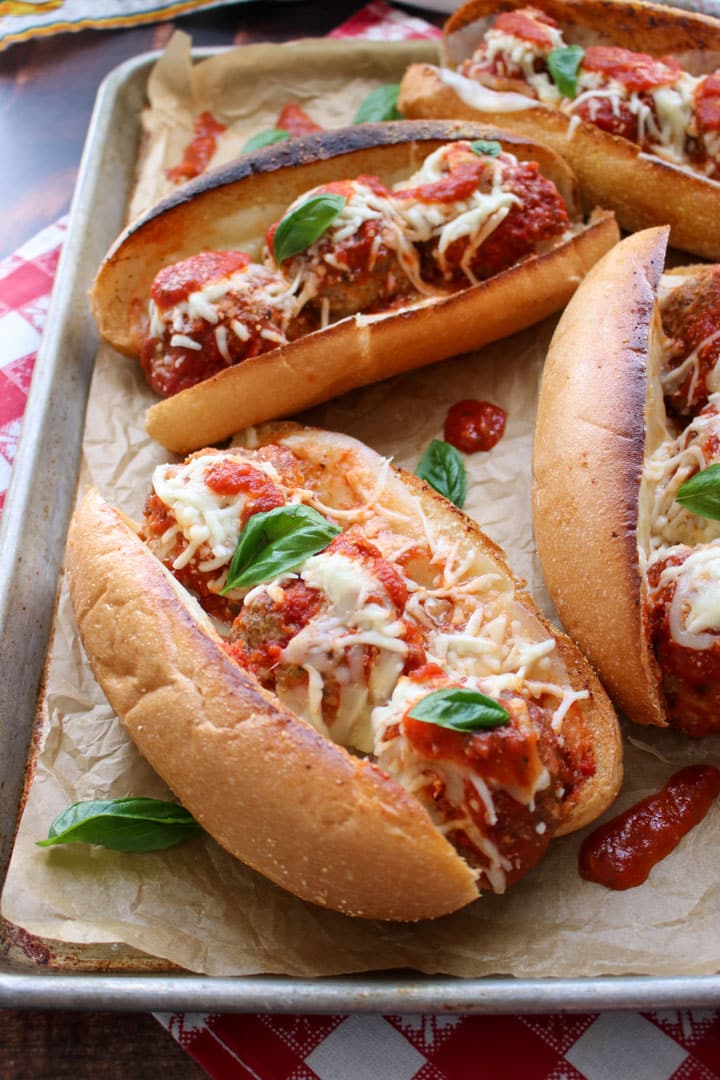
(200, 213)
(612, 172)
(588, 458)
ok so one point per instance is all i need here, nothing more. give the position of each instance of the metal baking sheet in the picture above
(34, 973)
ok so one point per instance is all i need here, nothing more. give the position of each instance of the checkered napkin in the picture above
(609, 1046)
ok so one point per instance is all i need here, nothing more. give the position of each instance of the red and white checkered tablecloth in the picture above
(668, 1045)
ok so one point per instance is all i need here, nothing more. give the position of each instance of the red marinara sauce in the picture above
(707, 103)
(528, 25)
(228, 477)
(455, 186)
(474, 425)
(200, 149)
(174, 283)
(621, 854)
(295, 121)
(635, 71)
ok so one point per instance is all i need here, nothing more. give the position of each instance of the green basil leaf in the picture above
(460, 710)
(123, 825)
(276, 541)
(442, 468)
(563, 66)
(380, 104)
(486, 146)
(701, 493)
(265, 138)
(306, 224)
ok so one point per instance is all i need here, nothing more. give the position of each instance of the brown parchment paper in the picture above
(200, 908)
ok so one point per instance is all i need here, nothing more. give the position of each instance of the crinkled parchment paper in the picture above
(200, 908)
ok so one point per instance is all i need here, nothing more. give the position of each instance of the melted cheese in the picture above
(208, 522)
(355, 647)
(520, 52)
(482, 98)
(257, 287)
(356, 637)
(665, 114)
(473, 219)
(673, 378)
(674, 462)
(363, 205)
(694, 615)
(398, 757)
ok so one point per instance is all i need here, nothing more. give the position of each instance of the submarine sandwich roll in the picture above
(339, 677)
(335, 260)
(628, 93)
(625, 464)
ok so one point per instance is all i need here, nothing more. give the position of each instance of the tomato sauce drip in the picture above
(200, 149)
(528, 25)
(474, 425)
(173, 284)
(457, 185)
(707, 103)
(635, 71)
(621, 854)
(295, 121)
(416, 659)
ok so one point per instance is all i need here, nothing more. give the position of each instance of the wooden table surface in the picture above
(47, 91)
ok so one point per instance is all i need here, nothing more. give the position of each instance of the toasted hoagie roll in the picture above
(385, 727)
(626, 91)
(433, 239)
(628, 430)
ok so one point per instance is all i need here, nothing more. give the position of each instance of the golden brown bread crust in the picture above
(612, 172)
(358, 842)
(589, 451)
(233, 206)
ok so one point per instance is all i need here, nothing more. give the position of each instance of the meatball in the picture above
(498, 794)
(684, 628)
(362, 262)
(473, 214)
(691, 321)
(211, 311)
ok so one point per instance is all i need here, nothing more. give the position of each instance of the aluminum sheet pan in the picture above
(34, 974)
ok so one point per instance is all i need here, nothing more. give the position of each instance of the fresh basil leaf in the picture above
(265, 138)
(123, 825)
(276, 541)
(306, 224)
(380, 104)
(460, 710)
(563, 66)
(442, 468)
(488, 147)
(701, 493)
